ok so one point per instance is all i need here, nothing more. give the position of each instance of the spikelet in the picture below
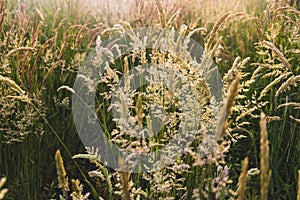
(232, 93)
(294, 104)
(161, 13)
(242, 180)
(13, 84)
(272, 118)
(15, 87)
(126, 76)
(12, 52)
(23, 98)
(115, 29)
(61, 173)
(65, 87)
(298, 196)
(2, 14)
(125, 180)
(202, 30)
(55, 16)
(139, 108)
(296, 120)
(3, 191)
(245, 113)
(265, 172)
(77, 188)
(291, 81)
(277, 80)
(283, 59)
(172, 18)
(40, 14)
(213, 50)
(2, 181)
(77, 191)
(214, 31)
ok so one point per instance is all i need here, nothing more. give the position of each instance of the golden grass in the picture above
(161, 12)
(283, 59)
(77, 191)
(231, 95)
(292, 81)
(15, 87)
(265, 172)
(298, 196)
(165, 183)
(125, 180)
(242, 180)
(61, 172)
(2, 191)
(2, 14)
(212, 35)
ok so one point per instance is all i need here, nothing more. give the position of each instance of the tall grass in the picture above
(256, 46)
(41, 48)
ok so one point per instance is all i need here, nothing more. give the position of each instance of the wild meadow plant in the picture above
(162, 182)
(179, 179)
(40, 50)
(206, 155)
(256, 46)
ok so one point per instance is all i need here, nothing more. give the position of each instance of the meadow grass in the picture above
(256, 47)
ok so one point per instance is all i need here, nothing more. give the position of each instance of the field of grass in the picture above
(242, 143)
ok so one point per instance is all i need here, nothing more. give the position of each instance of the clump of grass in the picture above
(63, 183)
(162, 182)
(132, 107)
(100, 173)
(11, 96)
(42, 48)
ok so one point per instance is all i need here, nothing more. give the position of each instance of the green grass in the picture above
(58, 41)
